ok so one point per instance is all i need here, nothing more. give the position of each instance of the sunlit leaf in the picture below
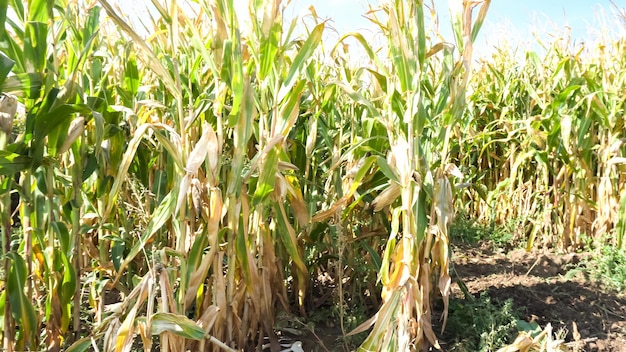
(177, 324)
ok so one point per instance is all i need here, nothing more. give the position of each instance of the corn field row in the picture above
(177, 191)
(544, 140)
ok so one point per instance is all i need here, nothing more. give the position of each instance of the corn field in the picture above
(545, 137)
(178, 190)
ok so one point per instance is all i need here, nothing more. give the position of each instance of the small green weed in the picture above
(500, 236)
(609, 267)
(478, 324)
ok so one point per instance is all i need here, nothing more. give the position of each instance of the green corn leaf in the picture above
(583, 140)
(131, 150)
(481, 190)
(20, 305)
(35, 46)
(421, 211)
(370, 53)
(241, 134)
(14, 49)
(361, 172)
(166, 143)
(6, 64)
(63, 235)
(308, 48)
(401, 56)
(269, 49)
(267, 176)
(390, 248)
(376, 259)
(381, 78)
(200, 46)
(81, 345)
(38, 11)
(68, 285)
(20, 11)
(27, 84)
(177, 324)
(241, 251)
(386, 169)
(48, 122)
(480, 19)
(290, 109)
(11, 163)
(68, 288)
(456, 19)
(227, 57)
(598, 106)
(118, 247)
(4, 6)
(131, 76)
(237, 80)
(197, 250)
(288, 237)
(421, 34)
(358, 97)
(91, 26)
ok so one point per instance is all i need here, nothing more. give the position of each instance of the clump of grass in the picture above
(329, 317)
(609, 267)
(478, 324)
(505, 236)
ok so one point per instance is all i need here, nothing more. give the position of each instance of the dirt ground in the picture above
(595, 317)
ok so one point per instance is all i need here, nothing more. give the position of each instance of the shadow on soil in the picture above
(594, 318)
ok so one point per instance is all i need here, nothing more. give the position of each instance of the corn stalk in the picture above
(419, 101)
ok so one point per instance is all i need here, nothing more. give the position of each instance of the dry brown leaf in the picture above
(386, 197)
(328, 213)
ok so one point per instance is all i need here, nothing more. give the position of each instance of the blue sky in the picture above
(585, 18)
(513, 21)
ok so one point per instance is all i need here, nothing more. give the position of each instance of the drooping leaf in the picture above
(80, 345)
(177, 324)
(28, 84)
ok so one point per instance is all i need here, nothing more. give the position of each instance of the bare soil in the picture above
(594, 316)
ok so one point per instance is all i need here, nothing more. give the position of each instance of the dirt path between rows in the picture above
(595, 317)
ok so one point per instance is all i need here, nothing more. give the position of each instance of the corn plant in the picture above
(179, 189)
(45, 53)
(174, 160)
(222, 111)
(418, 98)
(546, 143)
